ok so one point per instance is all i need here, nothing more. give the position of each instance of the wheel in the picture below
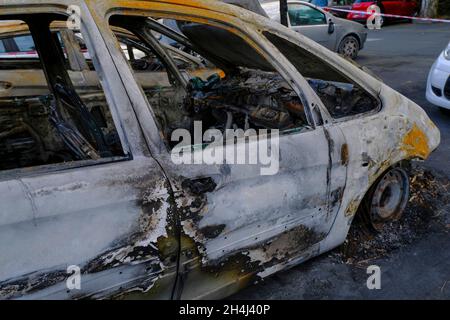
(386, 200)
(349, 47)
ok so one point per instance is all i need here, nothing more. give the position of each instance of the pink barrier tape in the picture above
(365, 13)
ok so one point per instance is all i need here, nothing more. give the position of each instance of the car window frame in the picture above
(328, 118)
(256, 38)
(311, 6)
(128, 150)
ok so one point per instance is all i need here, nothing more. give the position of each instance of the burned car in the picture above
(89, 185)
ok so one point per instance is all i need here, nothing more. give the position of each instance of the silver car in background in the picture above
(342, 36)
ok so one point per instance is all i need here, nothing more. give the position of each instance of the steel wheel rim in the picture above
(390, 198)
(350, 48)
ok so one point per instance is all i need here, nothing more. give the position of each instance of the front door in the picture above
(238, 219)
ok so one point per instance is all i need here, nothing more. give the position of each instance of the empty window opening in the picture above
(341, 96)
(223, 82)
(59, 118)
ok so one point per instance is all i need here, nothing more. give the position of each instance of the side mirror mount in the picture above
(330, 27)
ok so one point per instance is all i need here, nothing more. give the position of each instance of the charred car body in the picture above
(87, 176)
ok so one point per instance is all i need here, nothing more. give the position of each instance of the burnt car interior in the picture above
(63, 125)
(340, 95)
(72, 122)
(251, 95)
(142, 58)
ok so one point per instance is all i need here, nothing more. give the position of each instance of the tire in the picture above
(349, 47)
(386, 200)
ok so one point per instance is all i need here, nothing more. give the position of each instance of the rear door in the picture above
(66, 203)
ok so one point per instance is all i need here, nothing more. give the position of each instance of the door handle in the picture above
(199, 186)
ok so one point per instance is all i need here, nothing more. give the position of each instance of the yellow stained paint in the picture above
(204, 73)
(415, 143)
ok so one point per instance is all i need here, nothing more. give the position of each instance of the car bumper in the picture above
(438, 84)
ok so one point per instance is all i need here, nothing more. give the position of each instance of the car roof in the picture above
(235, 8)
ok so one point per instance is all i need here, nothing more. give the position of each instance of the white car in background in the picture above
(438, 86)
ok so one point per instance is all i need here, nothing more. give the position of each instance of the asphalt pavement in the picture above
(401, 55)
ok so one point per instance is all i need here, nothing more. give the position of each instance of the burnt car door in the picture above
(238, 225)
(238, 221)
(234, 223)
(234, 220)
(80, 194)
